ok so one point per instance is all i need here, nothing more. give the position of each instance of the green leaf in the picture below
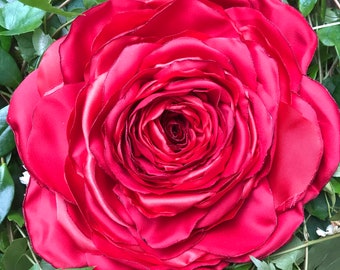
(36, 266)
(9, 72)
(318, 207)
(46, 266)
(84, 268)
(330, 36)
(5, 42)
(306, 6)
(6, 191)
(4, 241)
(46, 6)
(330, 16)
(6, 135)
(335, 185)
(261, 265)
(325, 255)
(75, 6)
(242, 266)
(287, 260)
(335, 217)
(333, 86)
(41, 41)
(15, 256)
(313, 71)
(91, 3)
(17, 217)
(25, 45)
(337, 172)
(18, 18)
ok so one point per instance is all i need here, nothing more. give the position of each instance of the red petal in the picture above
(293, 27)
(73, 61)
(250, 228)
(47, 145)
(287, 224)
(298, 152)
(54, 234)
(49, 71)
(329, 121)
(23, 103)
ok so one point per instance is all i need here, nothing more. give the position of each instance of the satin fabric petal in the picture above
(54, 231)
(237, 236)
(73, 62)
(181, 134)
(59, 106)
(287, 224)
(23, 102)
(329, 121)
(46, 83)
(298, 152)
(303, 43)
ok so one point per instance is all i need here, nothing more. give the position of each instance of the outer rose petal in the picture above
(287, 224)
(96, 223)
(298, 152)
(303, 43)
(20, 112)
(54, 234)
(50, 64)
(73, 61)
(329, 121)
(50, 134)
(248, 230)
(103, 263)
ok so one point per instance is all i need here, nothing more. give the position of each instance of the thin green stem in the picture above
(325, 25)
(9, 226)
(64, 3)
(337, 3)
(28, 244)
(332, 68)
(60, 7)
(3, 93)
(61, 27)
(307, 244)
(30, 259)
(305, 234)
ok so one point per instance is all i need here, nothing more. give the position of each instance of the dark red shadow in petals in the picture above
(329, 122)
(49, 132)
(248, 230)
(298, 152)
(23, 103)
(55, 235)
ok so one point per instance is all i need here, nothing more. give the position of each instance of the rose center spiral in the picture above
(176, 129)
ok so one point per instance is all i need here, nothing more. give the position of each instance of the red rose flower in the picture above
(173, 134)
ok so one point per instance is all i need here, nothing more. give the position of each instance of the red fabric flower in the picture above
(173, 134)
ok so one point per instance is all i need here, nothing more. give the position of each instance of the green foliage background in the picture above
(28, 27)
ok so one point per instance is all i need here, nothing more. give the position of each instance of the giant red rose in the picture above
(173, 135)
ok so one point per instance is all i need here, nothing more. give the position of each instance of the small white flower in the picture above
(25, 178)
(330, 230)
